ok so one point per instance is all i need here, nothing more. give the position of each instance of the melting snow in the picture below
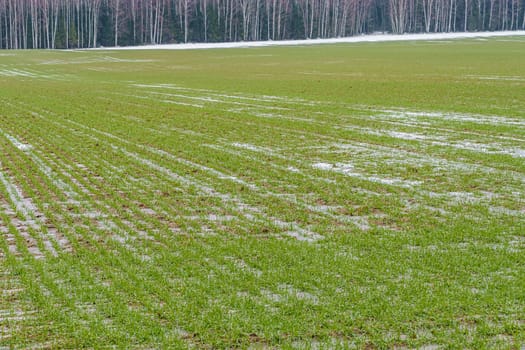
(353, 39)
(497, 77)
(323, 166)
(406, 135)
(21, 146)
(347, 169)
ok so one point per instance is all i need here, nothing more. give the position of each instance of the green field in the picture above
(339, 196)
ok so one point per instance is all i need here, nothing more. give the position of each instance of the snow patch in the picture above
(17, 73)
(348, 169)
(407, 136)
(299, 294)
(243, 266)
(410, 115)
(21, 146)
(323, 166)
(492, 148)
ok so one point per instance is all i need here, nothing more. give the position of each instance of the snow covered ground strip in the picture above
(352, 39)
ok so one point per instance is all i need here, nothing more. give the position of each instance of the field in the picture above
(316, 197)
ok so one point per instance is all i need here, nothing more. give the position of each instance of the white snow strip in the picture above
(24, 205)
(211, 217)
(497, 77)
(493, 148)
(164, 100)
(360, 221)
(27, 210)
(274, 297)
(217, 94)
(16, 73)
(474, 118)
(32, 216)
(354, 39)
(41, 165)
(212, 98)
(407, 136)
(297, 232)
(95, 60)
(323, 166)
(21, 146)
(16, 315)
(251, 147)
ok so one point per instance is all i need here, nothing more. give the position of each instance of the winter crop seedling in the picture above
(335, 196)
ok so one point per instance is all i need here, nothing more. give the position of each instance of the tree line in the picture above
(26, 24)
